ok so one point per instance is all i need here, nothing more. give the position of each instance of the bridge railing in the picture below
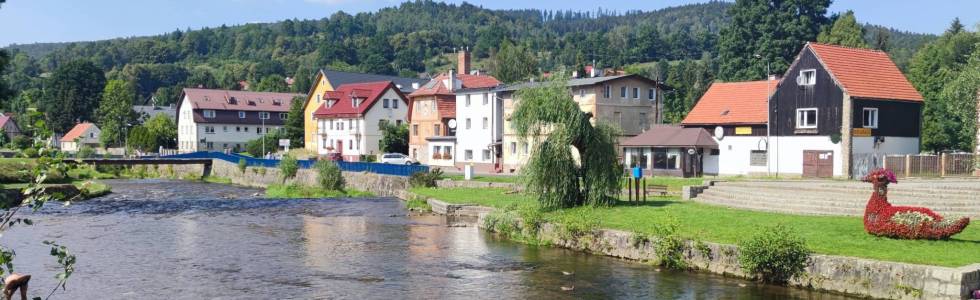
(379, 168)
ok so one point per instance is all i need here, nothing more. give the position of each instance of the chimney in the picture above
(464, 61)
(451, 82)
(774, 77)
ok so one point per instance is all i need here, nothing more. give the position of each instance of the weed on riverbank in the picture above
(294, 191)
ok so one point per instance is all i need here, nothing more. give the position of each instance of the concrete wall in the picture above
(381, 185)
(786, 153)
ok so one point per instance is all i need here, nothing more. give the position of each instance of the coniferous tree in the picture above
(845, 32)
(72, 93)
(115, 113)
(294, 129)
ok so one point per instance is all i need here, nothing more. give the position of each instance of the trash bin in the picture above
(468, 172)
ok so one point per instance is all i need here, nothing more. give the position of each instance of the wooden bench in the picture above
(657, 190)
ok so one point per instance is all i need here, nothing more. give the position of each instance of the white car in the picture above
(396, 158)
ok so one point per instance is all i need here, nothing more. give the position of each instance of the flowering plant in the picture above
(879, 174)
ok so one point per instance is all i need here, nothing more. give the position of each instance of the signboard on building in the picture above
(743, 130)
(861, 132)
(284, 143)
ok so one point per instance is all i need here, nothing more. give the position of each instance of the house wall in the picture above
(186, 128)
(734, 154)
(425, 114)
(786, 155)
(477, 138)
(825, 95)
(635, 115)
(365, 136)
(225, 135)
(69, 147)
(11, 130)
(895, 118)
(313, 101)
(441, 162)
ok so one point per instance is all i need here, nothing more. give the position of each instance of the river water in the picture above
(161, 239)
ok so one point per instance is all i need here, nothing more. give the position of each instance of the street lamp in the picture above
(768, 118)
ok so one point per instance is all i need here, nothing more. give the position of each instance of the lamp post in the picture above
(768, 118)
(262, 134)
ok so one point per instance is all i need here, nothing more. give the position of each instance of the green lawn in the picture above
(485, 178)
(826, 235)
(291, 191)
(672, 183)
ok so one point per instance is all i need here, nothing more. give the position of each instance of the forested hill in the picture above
(408, 40)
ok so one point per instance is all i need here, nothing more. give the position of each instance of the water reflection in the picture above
(155, 239)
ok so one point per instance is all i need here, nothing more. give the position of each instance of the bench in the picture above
(655, 189)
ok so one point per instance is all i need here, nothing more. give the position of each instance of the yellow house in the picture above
(328, 80)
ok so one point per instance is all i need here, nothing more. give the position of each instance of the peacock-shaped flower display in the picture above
(904, 222)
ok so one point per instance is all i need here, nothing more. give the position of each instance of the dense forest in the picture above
(684, 46)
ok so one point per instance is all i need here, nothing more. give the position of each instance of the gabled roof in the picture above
(77, 131)
(865, 73)
(672, 136)
(732, 103)
(338, 78)
(467, 81)
(4, 119)
(370, 92)
(238, 100)
(574, 82)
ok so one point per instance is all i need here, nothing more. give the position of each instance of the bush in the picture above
(776, 254)
(288, 165)
(369, 158)
(85, 152)
(242, 165)
(423, 179)
(20, 142)
(329, 175)
(29, 153)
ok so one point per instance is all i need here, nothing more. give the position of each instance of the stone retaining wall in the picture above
(850, 275)
(446, 183)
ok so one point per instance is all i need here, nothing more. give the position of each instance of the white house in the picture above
(479, 129)
(217, 120)
(83, 134)
(350, 119)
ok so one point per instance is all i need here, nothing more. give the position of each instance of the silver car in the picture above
(396, 158)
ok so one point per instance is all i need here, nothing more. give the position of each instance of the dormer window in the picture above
(208, 113)
(241, 114)
(807, 77)
(330, 103)
(276, 102)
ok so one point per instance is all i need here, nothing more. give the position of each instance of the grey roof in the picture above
(571, 82)
(672, 136)
(338, 78)
(153, 110)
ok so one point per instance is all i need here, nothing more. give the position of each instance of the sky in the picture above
(30, 21)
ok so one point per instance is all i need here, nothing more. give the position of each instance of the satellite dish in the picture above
(691, 151)
(763, 144)
(719, 132)
(452, 123)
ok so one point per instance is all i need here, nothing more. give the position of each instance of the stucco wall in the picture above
(786, 153)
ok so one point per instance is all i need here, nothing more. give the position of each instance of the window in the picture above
(513, 147)
(486, 98)
(238, 129)
(636, 93)
(350, 144)
(385, 103)
(283, 116)
(245, 128)
(468, 154)
(467, 100)
(607, 91)
(757, 158)
(225, 128)
(663, 159)
(398, 122)
(331, 124)
(350, 124)
(317, 98)
(486, 155)
(264, 115)
(869, 118)
(486, 124)
(394, 103)
(415, 129)
(652, 94)
(807, 77)
(208, 113)
(207, 129)
(436, 129)
(525, 147)
(340, 125)
(622, 92)
(806, 118)
(241, 115)
(468, 123)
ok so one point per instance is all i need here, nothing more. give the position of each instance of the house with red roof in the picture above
(351, 117)
(836, 113)
(432, 113)
(83, 134)
(219, 120)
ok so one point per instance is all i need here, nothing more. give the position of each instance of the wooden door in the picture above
(818, 163)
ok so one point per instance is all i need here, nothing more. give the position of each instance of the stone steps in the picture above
(836, 198)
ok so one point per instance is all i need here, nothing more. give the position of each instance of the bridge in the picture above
(206, 162)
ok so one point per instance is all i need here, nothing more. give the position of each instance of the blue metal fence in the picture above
(379, 168)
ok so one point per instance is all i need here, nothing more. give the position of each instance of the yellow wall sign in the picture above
(861, 132)
(743, 130)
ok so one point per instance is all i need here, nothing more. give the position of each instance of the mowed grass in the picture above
(485, 178)
(824, 235)
(293, 191)
(672, 183)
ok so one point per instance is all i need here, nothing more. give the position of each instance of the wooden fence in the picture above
(942, 165)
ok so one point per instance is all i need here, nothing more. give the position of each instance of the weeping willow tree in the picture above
(549, 117)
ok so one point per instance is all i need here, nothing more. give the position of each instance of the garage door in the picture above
(818, 163)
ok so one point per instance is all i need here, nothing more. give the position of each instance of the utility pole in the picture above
(262, 134)
(768, 117)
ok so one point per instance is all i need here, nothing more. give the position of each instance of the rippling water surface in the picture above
(159, 239)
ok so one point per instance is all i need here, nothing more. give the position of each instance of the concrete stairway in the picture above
(844, 198)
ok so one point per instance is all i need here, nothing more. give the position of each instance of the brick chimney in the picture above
(464, 62)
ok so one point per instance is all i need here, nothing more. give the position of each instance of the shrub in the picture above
(419, 205)
(775, 254)
(85, 152)
(329, 175)
(669, 246)
(242, 165)
(369, 158)
(423, 179)
(20, 142)
(288, 165)
(29, 153)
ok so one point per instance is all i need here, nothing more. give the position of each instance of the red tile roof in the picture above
(4, 118)
(76, 132)
(344, 94)
(467, 81)
(865, 73)
(732, 103)
(243, 100)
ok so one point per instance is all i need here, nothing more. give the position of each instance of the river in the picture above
(163, 239)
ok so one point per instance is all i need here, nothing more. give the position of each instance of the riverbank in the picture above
(846, 259)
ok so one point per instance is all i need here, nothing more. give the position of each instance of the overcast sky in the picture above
(29, 21)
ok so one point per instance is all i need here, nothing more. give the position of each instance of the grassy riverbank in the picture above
(302, 191)
(825, 235)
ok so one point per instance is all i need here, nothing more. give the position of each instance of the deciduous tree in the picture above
(845, 32)
(115, 113)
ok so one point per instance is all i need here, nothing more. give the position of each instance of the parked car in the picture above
(396, 158)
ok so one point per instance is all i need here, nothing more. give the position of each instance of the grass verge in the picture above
(824, 235)
(290, 191)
